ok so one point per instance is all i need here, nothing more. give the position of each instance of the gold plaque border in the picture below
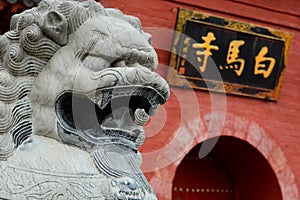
(176, 79)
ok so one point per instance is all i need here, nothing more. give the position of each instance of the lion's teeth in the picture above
(153, 110)
(140, 117)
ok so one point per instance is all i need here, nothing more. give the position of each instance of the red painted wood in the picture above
(255, 11)
(251, 173)
(285, 7)
(205, 178)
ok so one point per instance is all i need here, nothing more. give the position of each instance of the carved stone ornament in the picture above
(76, 87)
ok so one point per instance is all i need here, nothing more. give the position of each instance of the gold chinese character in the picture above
(262, 68)
(187, 41)
(182, 63)
(185, 49)
(202, 56)
(232, 59)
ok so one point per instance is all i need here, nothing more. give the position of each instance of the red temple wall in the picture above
(271, 127)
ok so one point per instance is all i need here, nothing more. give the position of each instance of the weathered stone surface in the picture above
(76, 87)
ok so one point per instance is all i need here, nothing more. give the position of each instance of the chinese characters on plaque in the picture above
(233, 60)
(249, 59)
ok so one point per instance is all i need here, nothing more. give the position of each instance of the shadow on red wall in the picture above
(6, 12)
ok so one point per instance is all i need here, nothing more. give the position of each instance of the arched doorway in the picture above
(232, 170)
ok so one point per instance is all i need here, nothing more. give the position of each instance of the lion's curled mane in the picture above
(25, 51)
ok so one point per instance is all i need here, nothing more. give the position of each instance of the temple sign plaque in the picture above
(250, 59)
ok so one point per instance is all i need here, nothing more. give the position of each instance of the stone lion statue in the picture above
(76, 87)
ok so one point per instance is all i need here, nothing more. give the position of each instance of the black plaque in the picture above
(249, 59)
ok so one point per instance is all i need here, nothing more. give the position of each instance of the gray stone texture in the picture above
(77, 84)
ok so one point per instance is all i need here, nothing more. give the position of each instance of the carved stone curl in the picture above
(76, 87)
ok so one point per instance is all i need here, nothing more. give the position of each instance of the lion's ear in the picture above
(55, 26)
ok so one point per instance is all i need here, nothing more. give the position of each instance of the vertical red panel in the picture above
(202, 179)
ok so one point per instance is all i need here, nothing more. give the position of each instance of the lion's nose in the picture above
(136, 57)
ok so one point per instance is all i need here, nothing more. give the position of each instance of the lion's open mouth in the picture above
(115, 114)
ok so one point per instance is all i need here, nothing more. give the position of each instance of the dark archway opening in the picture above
(233, 170)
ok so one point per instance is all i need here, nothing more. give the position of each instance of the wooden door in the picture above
(201, 179)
